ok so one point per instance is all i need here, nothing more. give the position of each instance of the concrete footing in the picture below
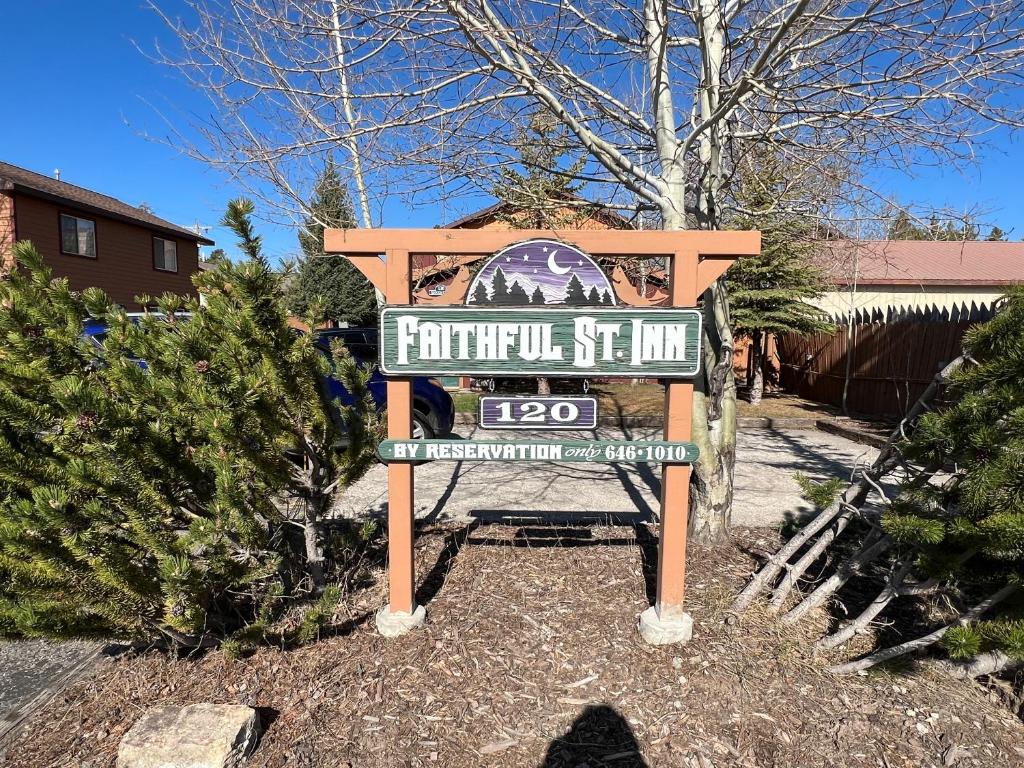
(665, 630)
(398, 623)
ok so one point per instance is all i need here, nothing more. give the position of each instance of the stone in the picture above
(190, 736)
(656, 629)
(393, 624)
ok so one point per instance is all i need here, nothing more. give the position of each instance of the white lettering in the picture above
(586, 341)
(675, 342)
(406, 337)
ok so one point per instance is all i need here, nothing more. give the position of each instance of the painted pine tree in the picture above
(499, 287)
(480, 294)
(574, 293)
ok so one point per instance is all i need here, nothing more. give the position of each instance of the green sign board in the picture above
(595, 451)
(542, 341)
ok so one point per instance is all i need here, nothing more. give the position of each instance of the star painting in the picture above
(541, 272)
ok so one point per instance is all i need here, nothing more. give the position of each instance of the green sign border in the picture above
(525, 369)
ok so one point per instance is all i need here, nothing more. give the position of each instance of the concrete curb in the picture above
(852, 433)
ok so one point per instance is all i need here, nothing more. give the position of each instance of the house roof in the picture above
(924, 262)
(602, 212)
(28, 182)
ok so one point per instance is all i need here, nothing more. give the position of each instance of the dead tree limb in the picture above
(925, 641)
(991, 663)
(852, 567)
(853, 497)
(889, 592)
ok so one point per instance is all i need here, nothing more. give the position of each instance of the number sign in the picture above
(546, 341)
(538, 412)
(594, 451)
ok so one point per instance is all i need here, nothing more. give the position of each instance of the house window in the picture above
(165, 255)
(77, 236)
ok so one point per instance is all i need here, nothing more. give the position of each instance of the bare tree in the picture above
(665, 96)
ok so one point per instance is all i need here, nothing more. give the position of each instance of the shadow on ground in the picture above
(599, 736)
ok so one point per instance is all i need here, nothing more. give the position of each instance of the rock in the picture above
(192, 736)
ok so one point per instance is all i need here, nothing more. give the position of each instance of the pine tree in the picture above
(771, 293)
(238, 218)
(146, 501)
(996, 235)
(969, 530)
(537, 299)
(517, 294)
(593, 297)
(545, 196)
(606, 298)
(480, 294)
(499, 288)
(331, 282)
(951, 535)
(574, 293)
(903, 228)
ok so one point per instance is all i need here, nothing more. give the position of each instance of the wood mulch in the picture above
(531, 658)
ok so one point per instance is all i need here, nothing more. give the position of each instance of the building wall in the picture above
(123, 266)
(7, 235)
(837, 303)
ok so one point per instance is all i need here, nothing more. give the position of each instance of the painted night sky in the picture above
(543, 264)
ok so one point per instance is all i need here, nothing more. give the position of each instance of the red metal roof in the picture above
(924, 262)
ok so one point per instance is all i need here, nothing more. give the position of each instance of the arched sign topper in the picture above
(541, 272)
(528, 331)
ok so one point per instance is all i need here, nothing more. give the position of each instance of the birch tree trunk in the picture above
(757, 368)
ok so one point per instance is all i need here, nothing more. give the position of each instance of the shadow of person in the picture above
(599, 736)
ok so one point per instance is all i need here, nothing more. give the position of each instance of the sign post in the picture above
(565, 341)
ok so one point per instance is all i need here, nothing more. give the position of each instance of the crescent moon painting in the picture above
(541, 272)
(553, 265)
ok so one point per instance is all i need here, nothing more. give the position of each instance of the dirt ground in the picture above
(531, 658)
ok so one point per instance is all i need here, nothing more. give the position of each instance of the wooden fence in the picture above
(894, 355)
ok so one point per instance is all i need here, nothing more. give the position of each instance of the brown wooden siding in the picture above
(123, 266)
(7, 234)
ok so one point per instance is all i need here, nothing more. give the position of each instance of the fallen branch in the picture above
(990, 663)
(854, 496)
(852, 567)
(931, 638)
(794, 573)
(889, 592)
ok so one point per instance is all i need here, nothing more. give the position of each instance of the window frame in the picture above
(153, 249)
(60, 234)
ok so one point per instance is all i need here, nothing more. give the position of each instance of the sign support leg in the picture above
(401, 614)
(666, 621)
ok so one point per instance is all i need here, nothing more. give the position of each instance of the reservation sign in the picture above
(548, 341)
(593, 451)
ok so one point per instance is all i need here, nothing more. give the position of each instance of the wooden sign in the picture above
(547, 341)
(538, 412)
(594, 451)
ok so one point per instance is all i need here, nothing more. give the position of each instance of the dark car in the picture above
(433, 410)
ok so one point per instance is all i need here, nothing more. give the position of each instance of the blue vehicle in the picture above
(432, 407)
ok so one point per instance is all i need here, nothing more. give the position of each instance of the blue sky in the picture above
(79, 96)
